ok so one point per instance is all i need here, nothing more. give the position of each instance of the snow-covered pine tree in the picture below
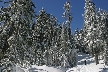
(102, 19)
(81, 38)
(76, 38)
(91, 30)
(19, 16)
(67, 43)
(55, 42)
(64, 47)
(37, 36)
(101, 28)
(89, 13)
(42, 37)
(6, 31)
(94, 29)
(100, 34)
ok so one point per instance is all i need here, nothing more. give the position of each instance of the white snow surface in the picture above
(81, 67)
(90, 66)
(44, 68)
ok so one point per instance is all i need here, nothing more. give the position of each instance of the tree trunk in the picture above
(96, 59)
(92, 54)
(1, 56)
(47, 61)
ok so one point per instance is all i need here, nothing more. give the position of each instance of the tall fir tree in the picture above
(20, 15)
(67, 43)
(91, 29)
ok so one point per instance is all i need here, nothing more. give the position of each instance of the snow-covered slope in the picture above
(81, 67)
(90, 66)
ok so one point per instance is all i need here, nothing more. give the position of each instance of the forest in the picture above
(27, 38)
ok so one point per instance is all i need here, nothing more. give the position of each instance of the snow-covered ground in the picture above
(43, 68)
(81, 67)
(90, 66)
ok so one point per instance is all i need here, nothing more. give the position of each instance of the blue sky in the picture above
(55, 7)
